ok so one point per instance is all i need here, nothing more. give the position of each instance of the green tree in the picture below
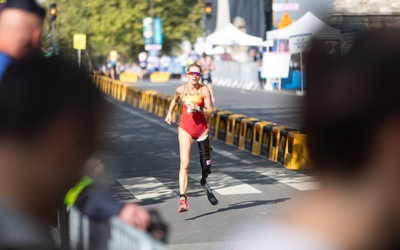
(119, 24)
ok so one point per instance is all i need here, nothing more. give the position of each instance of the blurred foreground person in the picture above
(21, 24)
(50, 118)
(353, 114)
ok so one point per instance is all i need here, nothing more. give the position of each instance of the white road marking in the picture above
(227, 185)
(166, 126)
(147, 188)
(295, 180)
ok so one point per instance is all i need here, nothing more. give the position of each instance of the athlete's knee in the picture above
(185, 165)
(205, 154)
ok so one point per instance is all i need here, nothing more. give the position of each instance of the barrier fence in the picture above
(236, 75)
(284, 145)
(77, 232)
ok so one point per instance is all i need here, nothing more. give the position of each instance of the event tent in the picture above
(230, 35)
(305, 24)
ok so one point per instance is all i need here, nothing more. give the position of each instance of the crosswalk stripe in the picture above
(226, 185)
(295, 180)
(147, 188)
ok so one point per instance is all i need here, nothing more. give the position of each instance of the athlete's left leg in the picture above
(205, 154)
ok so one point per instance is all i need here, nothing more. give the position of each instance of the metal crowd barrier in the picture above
(78, 232)
(236, 75)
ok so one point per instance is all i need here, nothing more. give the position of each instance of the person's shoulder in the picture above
(206, 91)
(180, 89)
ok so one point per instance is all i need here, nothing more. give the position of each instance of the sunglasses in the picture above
(191, 73)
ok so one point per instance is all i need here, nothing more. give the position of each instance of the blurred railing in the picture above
(236, 75)
(77, 232)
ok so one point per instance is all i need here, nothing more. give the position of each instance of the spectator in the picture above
(50, 122)
(183, 58)
(142, 63)
(330, 50)
(113, 62)
(21, 24)
(165, 61)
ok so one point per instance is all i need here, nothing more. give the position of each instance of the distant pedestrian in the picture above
(207, 65)
(142, 63)
(113, 62)
(183, 58)
(165, 61)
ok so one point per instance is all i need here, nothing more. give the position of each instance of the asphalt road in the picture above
(140, 153)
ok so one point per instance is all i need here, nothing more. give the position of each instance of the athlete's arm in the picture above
(208, 109)
(212, 64)
(175, 100)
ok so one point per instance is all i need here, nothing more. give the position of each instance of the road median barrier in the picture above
(231, 128)
(162, 105)
(283, 143)
(297, 154)
(243, 131)
(266, 140)
(160, 77)
(274, 142)
(248, 139)
(128, 77)
(258, 137)
(211, 122)
(220, 125)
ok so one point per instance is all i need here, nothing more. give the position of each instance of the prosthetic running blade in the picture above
(209, 193)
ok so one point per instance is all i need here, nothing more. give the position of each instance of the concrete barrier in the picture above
(297, 154)
(258, 136)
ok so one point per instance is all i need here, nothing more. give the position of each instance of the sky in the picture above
(320, 8)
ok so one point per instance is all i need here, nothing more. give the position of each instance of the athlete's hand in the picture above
(168, 119)
(194, 107)
(135, 215)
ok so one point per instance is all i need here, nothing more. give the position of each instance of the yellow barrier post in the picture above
(282, 143)
(218, 122)
(232, 127)
(128, 77)
(243, 131)
(160, 77)
(223, 127)
(297, 156)
(258, 136)
(274, 142)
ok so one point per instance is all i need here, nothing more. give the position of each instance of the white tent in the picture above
(305, 24)
(230, 35)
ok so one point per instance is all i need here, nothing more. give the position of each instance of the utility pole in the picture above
(53, 16)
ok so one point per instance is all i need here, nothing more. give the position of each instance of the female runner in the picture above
(197, 104)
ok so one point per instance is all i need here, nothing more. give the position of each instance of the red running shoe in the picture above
(183, 206)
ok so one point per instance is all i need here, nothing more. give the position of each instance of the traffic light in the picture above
(208, 9)
(53, 12)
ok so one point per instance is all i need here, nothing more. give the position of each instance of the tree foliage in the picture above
(119, 24)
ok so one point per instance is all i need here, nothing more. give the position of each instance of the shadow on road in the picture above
(241, 205)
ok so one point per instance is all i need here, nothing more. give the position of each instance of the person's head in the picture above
(194, 73)
(204, 55)
(49, 124)
(328, 46)
(353, 109)
(21, 25)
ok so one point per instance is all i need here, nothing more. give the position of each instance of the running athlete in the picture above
(207, 65)
(197, 104)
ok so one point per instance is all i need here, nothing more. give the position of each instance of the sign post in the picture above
(79, 44)
(298, 44)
